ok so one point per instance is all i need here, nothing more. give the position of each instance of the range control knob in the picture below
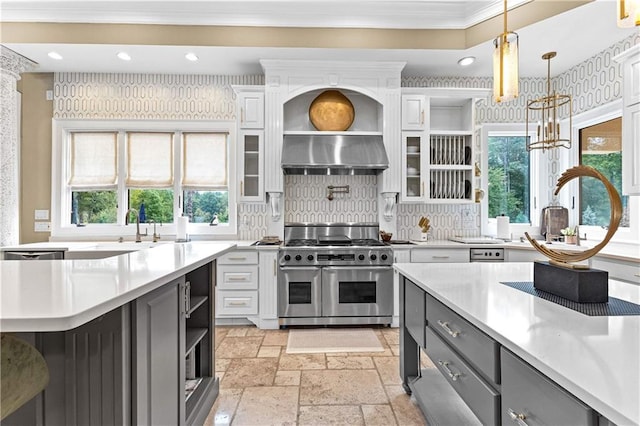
(310, 257)
(497, 254)
(287, 257)
(298, 257)
(383, 257)
(373, 257)
(361, 257)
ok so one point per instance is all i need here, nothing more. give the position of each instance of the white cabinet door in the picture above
(414, 178)
(251, 166)
(413, 112)
(631, 150)
(268, 290)
(251, 110)
(440, 255)
(399, 256)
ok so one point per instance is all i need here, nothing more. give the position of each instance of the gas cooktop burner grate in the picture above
(332, 242)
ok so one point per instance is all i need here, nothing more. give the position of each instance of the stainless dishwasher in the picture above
(33, 255)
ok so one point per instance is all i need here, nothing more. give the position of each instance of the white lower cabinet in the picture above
(399, 256)
(440, 255)
(237, 284)
(516, 255)
(618, 269)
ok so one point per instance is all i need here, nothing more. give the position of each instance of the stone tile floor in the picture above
(260, 384)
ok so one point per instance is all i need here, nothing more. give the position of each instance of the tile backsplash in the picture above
(306, 199)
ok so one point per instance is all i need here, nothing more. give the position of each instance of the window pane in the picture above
(93, 207)
(509, 178)
(158, 204)
(201, 206)
(600, 148)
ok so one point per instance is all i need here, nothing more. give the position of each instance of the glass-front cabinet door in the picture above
(250, 166)
(413, 176)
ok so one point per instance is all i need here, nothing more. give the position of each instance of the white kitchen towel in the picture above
(503, 228)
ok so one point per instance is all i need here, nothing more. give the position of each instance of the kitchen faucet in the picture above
(156, 236)
(126, 222)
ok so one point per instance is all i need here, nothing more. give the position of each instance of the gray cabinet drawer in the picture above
(414, 311)
(481, 398)
(537, 399)
(476, 347)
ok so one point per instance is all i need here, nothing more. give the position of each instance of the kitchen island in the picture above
(513, 356)
(122, 336)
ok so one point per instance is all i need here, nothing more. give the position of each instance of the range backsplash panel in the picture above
(306, 199)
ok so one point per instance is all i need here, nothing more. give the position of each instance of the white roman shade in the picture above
(94, 158)
(149, 160)
(205, 160)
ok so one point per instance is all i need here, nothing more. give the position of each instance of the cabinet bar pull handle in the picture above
(451, 374)
(275, 268)
(238, 303)
(439, 257)
(422, 117)
(187, 299)
(422, 193)
(236, 279)
(241, 115)
(237, 258)
(242, 188)
(448, 329)
(517, 418)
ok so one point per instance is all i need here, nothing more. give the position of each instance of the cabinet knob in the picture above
(517, 418)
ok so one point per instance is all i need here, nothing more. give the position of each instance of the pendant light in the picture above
(505, 64)
(546, 112)
(628, 13)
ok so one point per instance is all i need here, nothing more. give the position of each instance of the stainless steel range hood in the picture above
(333, 155)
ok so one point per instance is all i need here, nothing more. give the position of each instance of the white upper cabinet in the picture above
(251, 114)
(250, 145)
(413, 112)
(630, 60)
(437, 161)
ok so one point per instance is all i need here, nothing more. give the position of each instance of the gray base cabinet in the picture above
(157, 356)
(149, 362)
(529, 396)
(492, 385)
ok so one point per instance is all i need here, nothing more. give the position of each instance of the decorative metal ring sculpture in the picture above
(614, 220)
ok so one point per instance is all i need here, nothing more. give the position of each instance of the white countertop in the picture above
(595, 358)
(56, 295)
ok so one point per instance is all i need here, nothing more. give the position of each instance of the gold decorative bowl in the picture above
(331, 111)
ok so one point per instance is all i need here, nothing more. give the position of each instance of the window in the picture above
(102, 169)
(511, 178)
(508, 174)
(601, 148)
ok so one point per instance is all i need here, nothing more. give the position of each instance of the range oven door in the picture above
(299, 292)
(357, 291)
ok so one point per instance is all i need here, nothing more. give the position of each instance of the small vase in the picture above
(424, 236)
(571, 239)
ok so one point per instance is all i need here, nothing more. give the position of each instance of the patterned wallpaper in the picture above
(306, 199)
(593, 82)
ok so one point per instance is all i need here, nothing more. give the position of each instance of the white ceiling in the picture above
(576, 35)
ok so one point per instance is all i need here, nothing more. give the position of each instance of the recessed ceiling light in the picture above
(191, 56)
(466, 61)
(55, 55)
(124, 56)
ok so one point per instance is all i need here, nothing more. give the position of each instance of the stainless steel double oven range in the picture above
(334, 273)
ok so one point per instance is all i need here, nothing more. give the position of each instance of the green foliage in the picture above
(95, 207)
(594, 200)
(158, 203)
(509, 178)
(200, 206)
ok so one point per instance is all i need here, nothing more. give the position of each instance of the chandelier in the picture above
(505, 64)
(546, 112)
(628, 13)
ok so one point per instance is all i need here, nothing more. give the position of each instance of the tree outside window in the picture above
(508, 175)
